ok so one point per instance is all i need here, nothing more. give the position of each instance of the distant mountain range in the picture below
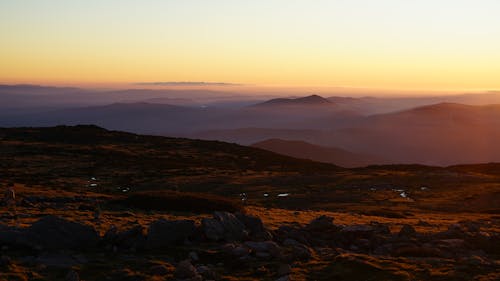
(312, 100)
(425, 130)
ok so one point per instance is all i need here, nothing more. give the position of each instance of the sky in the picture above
(383, 44)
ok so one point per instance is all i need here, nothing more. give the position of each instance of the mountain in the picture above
(312, 100)
(440, 134)
(304, 150)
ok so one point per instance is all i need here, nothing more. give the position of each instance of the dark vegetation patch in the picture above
(178, 201)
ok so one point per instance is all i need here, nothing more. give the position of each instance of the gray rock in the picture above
(322, 223)
(263, 255)
(290, 242)
(284, 270)
(255, 227)
(268, 247)
(159, 270)
(164, 233)
(301, 252)
(407, 231)
(185, 270)
(5, 260)
(53, 233)
(240, 251)
(72, 276)
(224, 226)
(56, 260)
(130, 239)
(10, 236)
(284, 278)
(193, 256)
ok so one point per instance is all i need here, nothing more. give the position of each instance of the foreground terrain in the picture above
(101, 205)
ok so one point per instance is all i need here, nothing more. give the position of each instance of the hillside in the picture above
(94, 204)
(304, 150)
(66, 157)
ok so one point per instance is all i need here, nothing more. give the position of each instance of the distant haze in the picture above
(342, 129)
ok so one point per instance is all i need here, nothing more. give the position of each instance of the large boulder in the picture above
(164, 233)
(267, 247)
(224, 226)
(185, 270)
(130, 239)
(255, 227)
(322, 224)
(10, 236)
(55, 233)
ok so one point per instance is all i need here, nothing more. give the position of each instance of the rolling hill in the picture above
(304, 150)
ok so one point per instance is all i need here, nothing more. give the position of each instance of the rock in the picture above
(360, 229)
(471, 226)
(206, 272)
(290, 242)
(224, 226)
(407, 231)
(284, 278)
(5, 261)
(185, 270)
(53, 233)
(240, 251)
(255, 227)
(213, 229)
(160, 270)
(262, 255)
(287, 232)
(57, 260)
(322, 223)
(301, 252)
(10, 236)
(164, 233)
(72, 276)
(130, 239)
(284, 269)
(193, 256)
(268, 247)
(454, 231)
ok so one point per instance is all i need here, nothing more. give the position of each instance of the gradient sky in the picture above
(391, 44)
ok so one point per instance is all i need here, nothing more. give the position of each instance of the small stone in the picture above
(185, 270)
(407, 231)
(72, 276)
(284, 278)
(193, 256)
(159, 270)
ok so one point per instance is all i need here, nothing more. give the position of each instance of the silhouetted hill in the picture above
(314, 100)
(440, 134)
(88, 150)
(304, 150)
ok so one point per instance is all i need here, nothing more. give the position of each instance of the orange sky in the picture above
(387, 44)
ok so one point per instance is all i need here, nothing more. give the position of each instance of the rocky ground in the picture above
(60, 236)
(94, 204)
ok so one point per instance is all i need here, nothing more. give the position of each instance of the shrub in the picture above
(179, 201)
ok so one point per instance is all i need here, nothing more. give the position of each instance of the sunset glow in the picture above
(434, 45)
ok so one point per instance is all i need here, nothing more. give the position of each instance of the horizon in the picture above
(450, 46)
